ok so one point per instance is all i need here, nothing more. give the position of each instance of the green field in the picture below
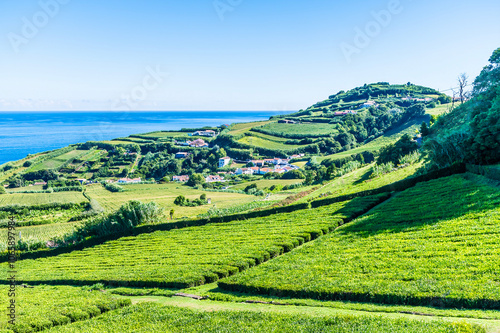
(192, 256)
(30, 199)
(164, 195)
(57, 162)
(40, 233)
(263, 183)
(303, 129)
(43, 307)
(241, 128)
(151, 317)
(435, 244)
(161, 135)
(264, 143)
(359, 180)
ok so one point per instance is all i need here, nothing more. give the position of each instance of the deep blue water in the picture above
(23, 133)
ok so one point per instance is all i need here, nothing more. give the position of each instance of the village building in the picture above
(263, 171)
(244, 171)
(182, 179)
(199, 143)
(129, 180)
(368, 104)
(214, 179)
(224, 161)
(204, 133)
(343, 113)
(259, 163)
(181, 155)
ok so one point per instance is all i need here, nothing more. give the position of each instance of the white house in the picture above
(183, 178)
(213, 179)
(204, 133)
(368, 104)
(181, 155)
(224, 161)
(244, 171)
(129, 180)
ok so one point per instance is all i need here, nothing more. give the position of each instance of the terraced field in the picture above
(241, 128)
(43, 307)
(257, 141)
(29, 199)
(58, 161)
(435, 244)
(303, 130)
(150, 317)
(191, 256)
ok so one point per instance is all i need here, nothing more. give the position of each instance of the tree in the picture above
(172, 214)
(293, 174)
(2, 189)
(195, 179)
(179, 201)
(462, 84)
(203, 197)
(393, 152)
(424, 130)
(433, 119)
(414, 111)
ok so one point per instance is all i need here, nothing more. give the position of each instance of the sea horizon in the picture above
(31, 132)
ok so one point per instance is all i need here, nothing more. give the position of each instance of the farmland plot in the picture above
(195, 255)
(435, 244)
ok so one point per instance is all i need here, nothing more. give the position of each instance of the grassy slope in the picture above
(436, 242)
(263, 143)
(28, 199)
(56, 162)
(359, 180)
(241, 128)
(263, 183)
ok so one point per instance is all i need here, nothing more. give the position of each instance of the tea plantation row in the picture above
(435, 244)
(192, 256)
(43, 307)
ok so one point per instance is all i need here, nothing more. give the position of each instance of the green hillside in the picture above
(391, 223)
(435, 244)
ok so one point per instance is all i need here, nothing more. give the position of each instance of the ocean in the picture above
(23, 133)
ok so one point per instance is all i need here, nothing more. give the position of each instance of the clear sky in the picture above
(231, 54)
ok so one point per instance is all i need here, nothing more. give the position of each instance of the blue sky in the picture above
(231, 54)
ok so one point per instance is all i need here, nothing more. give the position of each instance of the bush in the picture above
(131, 214)
(293, 174)
(195, 179)
(2, 189)
(381, 169)
(113, 187)
(180, 200)
(393, 152)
